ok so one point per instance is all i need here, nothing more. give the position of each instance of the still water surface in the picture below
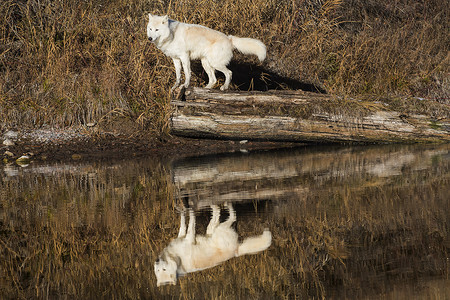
(333, 222)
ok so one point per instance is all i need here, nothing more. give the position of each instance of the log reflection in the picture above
(276, 175)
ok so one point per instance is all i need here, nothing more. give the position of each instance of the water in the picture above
(345, 222)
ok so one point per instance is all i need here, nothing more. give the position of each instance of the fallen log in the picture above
(298, 116)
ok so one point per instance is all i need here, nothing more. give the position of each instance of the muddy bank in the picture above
(88, 143)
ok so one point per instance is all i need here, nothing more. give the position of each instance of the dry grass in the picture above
(66, 63)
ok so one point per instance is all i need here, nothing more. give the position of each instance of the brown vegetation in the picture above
(65, 63)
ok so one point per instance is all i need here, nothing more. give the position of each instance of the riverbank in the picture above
(90, 143)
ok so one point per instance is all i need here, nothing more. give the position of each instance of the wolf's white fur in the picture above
(190, 252)
(183, 42)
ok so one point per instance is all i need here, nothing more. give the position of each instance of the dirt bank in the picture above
(93, 144)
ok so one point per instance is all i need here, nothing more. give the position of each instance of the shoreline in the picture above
(87, 144)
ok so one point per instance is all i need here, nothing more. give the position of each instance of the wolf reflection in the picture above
(190, 252)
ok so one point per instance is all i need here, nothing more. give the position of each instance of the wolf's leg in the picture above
(214, 220)
(227, 74)
(186, 61)
(177, 64)
(190, 236)
(232, 217)
(182, 231)
(210, 71)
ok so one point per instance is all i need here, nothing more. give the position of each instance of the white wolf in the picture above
(183, 42)
(190, 253)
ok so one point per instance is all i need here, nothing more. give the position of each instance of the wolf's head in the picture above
(157, 28)
(165, 271)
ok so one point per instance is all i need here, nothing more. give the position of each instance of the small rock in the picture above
(243, 142)
(8, 142)
(24, 160)
(8, 153)
(76, 156)
(11, 135)
(90, 124)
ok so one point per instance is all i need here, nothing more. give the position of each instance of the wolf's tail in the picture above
(249, 46)
(255, 244)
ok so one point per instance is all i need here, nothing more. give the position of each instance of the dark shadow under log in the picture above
(298, 116)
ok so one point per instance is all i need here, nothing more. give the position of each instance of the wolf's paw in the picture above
(211, 84)
(174, 87)
(185, 85)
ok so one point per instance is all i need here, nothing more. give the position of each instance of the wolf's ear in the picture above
(165, 19)
(150, 16)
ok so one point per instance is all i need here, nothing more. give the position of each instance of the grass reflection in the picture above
(348, 230)
(87, 232)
